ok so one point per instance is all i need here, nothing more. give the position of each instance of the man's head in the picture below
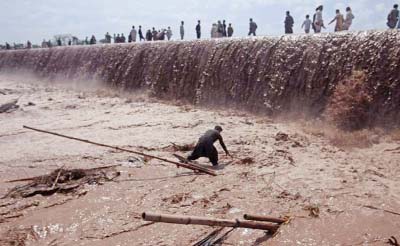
(337, 11)
(396, 6)
(198, 21)
(140, 27)
(307, 16)
(251, 19)
(218, 128)
(182, 22)
(287, 12)
(133, 27)
(348, 9)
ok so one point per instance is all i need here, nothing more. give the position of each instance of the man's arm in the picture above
(221, 141)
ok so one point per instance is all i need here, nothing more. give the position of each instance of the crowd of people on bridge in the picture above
(219, 29)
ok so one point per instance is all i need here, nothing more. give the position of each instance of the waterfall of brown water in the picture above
(265, 74)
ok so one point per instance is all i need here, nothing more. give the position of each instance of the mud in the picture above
(335, 196)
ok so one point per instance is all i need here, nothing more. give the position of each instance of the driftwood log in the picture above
(184, 165)
(264, 218)
(186, 220)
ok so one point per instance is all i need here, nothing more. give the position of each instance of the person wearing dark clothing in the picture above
(198, 30)
(230, 30)
(108, 38)
(93, 40)
(149, 36)
(393, 17)
(154, 34)
(59, 42)
(224, 28)
(8, 46)
(205, 146)
(289, 22)
(123, 39)
(220, 30)
(252, 27)
(29, 45)
(141, 37)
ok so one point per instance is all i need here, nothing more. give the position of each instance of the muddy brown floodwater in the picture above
(334, 196)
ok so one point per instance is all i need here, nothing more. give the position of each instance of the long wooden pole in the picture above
(264, 218)
(184, 165)
(186, 220)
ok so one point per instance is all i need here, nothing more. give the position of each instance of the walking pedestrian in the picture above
(339, 21)
(393, 17)
(289, 22)
(92, 40)
(307, 24)
(133, 34)
(230, 30)
(252, 27)
(182, 30)
(224, 34)
(141, 37)
(318, 20)
(154, 34)
(348, 21)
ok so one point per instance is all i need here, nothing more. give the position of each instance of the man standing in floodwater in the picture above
(289, 22)
(198, 30)
(182, 30)
(252, 27)
(205, 146)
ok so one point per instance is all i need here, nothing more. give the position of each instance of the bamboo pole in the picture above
(184, 165)
(186, 220)
(264, 218)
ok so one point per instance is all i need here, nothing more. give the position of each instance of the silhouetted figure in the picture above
(198, 30)
(224, 34)
(28, 45)
(289, 22)
(141, 37)
(214, 30)
(117, 39)
(205, 146)
(318, 20)
(108, 38)
(59, 42)
(44, 44)
(69, 42)
(86, 40)
(93, 40)
(182, 30)
(169, 33)
(49, 44)
(8, 46)
(339, 21)
(161, 35)
(149, 36)
(133, 34)
(230, 30)
(252, 27)
(220, 30)
(307, 24)
(348, 21)
(393, 17)
(154, 34)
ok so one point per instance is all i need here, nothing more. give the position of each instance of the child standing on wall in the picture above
(307, 24)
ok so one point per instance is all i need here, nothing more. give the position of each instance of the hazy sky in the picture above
(23, 20)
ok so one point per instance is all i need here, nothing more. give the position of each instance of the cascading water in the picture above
(265, 74)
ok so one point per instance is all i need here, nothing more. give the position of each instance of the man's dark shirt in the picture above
(210, 137)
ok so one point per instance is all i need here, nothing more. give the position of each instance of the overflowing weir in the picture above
(265, 74)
